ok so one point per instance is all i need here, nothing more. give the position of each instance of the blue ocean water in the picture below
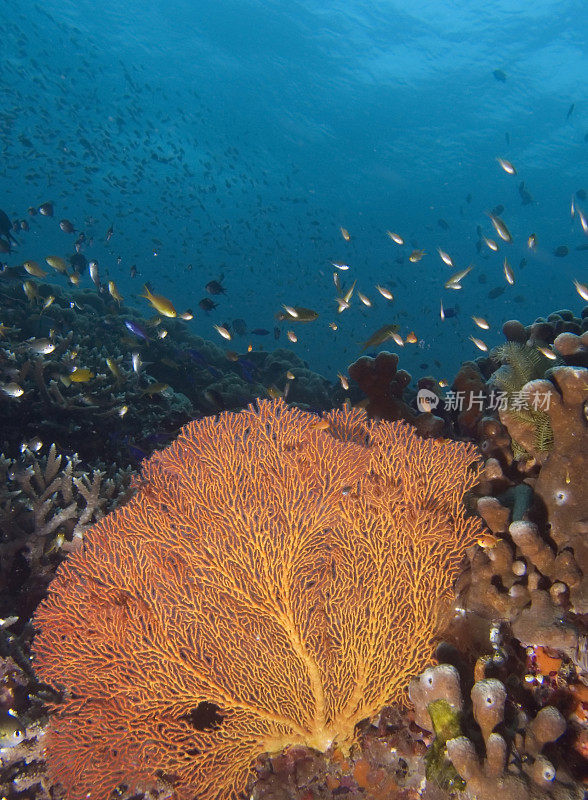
(237, 138)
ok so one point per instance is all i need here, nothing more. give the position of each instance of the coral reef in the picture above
(560, 485)
(384, 386)
(533, 572)
(524, 585)
(276, 580)
(95, 376)
(386, 762)
(46, 503)
(497, 749)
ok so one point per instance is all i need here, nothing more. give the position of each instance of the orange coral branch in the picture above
(273, 582)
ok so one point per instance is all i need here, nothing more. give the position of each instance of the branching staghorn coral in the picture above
(46, 502)
(277, 579)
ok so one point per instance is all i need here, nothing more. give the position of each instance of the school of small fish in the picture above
(97, 152)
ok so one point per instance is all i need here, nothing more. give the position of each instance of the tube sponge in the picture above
(495, 755)
(488, 700)
(541, 772)
(527, 538)
(436, 683)
(547, 726)
(463, 756)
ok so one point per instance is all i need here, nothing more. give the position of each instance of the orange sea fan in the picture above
(273, 582)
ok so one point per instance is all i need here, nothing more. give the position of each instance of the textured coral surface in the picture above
(276, 579)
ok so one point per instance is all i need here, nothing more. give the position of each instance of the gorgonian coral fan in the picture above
(276, 579)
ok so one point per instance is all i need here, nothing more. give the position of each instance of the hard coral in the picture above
(383, 383)
(46, 502)
(276, 580)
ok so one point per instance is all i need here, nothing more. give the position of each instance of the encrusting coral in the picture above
(277, 578)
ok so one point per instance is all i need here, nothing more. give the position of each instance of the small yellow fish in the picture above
(290, 375)
(507, 166)
(455, 281)
(398, 339)
(222, 331)
(349, 293)
(56, 544)
(508, 273)
(583, 221)
(304, 314)
(30, 289)
(491, 244)
(57, 262)
(159, 303)
(274, 392)
(532, 242)
(113, 367)
(186, 315)
(396, 237)
(479, 344)
(74, 278)
(114, 292)
(416, 255)
(94, 274)
(48, 301)
(500, 228)
(333, 326)
(321, 425)
(582, 289)
(80, 375)
(547, 353)
(487, 541)
(386, 293)
(481, 323)
(445, 257)
(42, 347)
(443, 384)
(380, 336)
(345, 234)
(34, 269)
(155, 388)
(411, 338)
(343, 380)
(12, 389)
(365, 300)
(292, 336)
(122, 410)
